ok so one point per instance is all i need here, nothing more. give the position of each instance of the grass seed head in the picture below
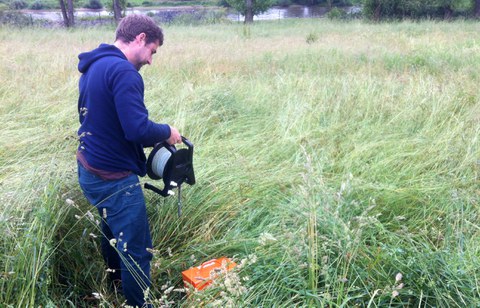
(90, 216)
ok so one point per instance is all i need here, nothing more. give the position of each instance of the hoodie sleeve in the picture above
(128, 91)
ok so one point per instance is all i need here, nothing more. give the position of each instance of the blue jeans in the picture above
(121, 205)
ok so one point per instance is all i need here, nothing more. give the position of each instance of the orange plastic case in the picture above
(202, 276)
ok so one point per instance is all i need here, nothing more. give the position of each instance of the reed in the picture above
(339, 171)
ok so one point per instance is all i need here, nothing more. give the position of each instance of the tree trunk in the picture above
(448, 12)
(117, 10)
(377, 13)
(477, 8)
(248, 11)
(66, 22)
(71, 17)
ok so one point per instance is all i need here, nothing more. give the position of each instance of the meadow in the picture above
(337, 163)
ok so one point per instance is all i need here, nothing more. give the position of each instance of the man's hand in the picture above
(175, 136)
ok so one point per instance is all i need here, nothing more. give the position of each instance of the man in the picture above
(114, 129)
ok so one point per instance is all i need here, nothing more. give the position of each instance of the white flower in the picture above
(113, 242)
(152, 251)
(266, 238)
(398, 277)
(169, 290)
(146, 293)
(90, 216)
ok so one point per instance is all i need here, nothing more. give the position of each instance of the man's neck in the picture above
(124, 47)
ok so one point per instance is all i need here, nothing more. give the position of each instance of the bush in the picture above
(194, 18)
(311, 38)
(94, 5)
(38, 5)
(414, 9)
(18, 5)
(223, 3)
(283, 2)
(336, 13)
(14, 19)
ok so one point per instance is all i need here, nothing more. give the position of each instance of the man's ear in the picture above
(142, 37)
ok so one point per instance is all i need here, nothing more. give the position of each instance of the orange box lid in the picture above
(202, 276)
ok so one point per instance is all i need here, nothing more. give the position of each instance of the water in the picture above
(294, 11)
(168, 14)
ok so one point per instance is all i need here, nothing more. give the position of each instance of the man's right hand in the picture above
(175, 136)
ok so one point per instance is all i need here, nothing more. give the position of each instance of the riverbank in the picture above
(168, 14)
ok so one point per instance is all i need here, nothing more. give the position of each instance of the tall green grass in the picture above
(337, 172)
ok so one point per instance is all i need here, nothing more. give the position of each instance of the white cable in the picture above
(160, 161)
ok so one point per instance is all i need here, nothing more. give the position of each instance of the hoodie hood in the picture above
(104, 50)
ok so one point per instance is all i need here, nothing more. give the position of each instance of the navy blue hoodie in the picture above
(114, 120)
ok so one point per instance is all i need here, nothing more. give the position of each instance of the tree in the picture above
(379, 9)
(248, 11)
(400, 9)
(447, 7)
(249, 8)
(117, 10)
(71, 17)
(67, 13)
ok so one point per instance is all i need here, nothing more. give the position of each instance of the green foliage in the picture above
(200, 17)
(284, 3)
(39, 5)
(336, 13)
(14, 19)
(399, 9)
(94, 4)
(311, 38)
(18, 5)
(259, 6)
